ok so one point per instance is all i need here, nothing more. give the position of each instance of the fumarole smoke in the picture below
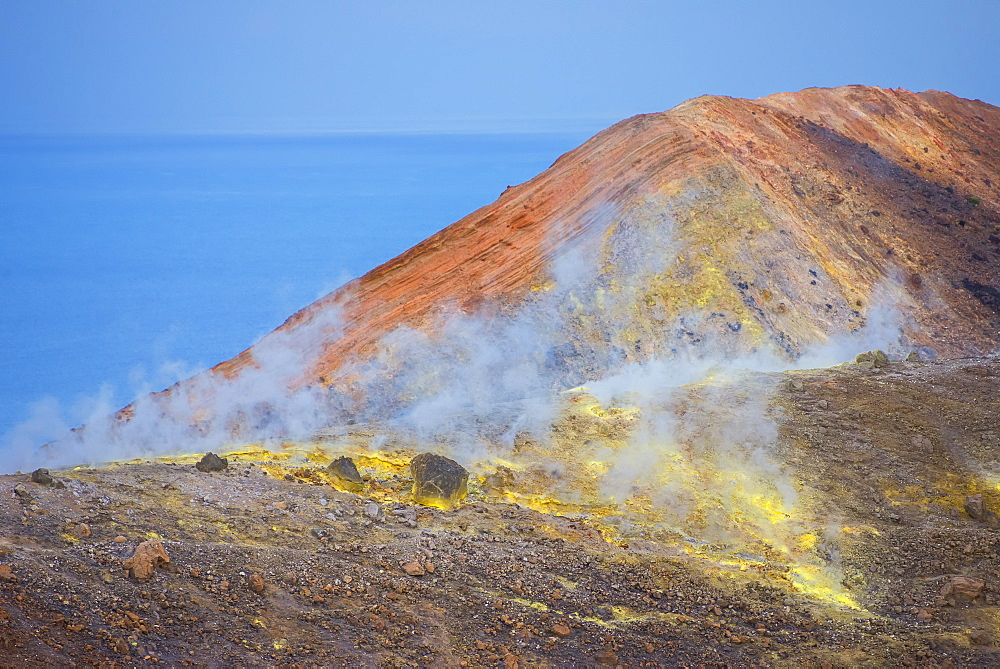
(604, 398)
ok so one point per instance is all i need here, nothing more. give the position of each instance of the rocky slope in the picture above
(789, 214)
(886, 554)
(719, 229)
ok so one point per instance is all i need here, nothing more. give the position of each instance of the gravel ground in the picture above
(269, 564)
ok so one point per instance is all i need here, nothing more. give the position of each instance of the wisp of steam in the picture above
(691, 452)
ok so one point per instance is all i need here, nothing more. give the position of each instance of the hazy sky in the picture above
(301, 65)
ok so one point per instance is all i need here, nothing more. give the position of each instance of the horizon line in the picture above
(542, 125)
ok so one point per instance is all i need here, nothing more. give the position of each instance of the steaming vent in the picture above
(623, 339)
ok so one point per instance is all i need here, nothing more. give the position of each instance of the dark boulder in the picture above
(872, 359)
(212, 463)
(438, 481)
(344, 474)
(975, 506)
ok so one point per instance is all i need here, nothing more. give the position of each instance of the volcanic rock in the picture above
(499, 481)
(438, 481)
(148, 555)
(256, 582)
(975, 506)
(41, 477)
(877, 359)
(414, 568)
(212, 463)
(962, 589)
(6, 573)
(407, 516)
(345, 474)
(374, 511)
(606, 658)
(561, 630)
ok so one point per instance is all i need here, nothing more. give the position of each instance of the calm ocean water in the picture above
(128, 263)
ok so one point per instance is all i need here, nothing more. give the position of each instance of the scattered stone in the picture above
(407, 516)
(405, 513)
(6, 573)
(120, 539)
(41, 477)
(500, 481)
(281, 505)
(561, 630)
(375, 512)
(23, 494)
(975, 506)
(870, 359)
(438, 481)
(913, 357)
(256, 583)
(414, 568)
(148, 555)
(823, 404)
(795, 385)
(606, 658)
(962, 589)
(81, 531)
(344, 474)
(212, 463)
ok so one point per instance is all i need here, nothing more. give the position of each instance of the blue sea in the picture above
(128, 263)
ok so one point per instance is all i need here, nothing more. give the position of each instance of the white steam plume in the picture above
(264, 401)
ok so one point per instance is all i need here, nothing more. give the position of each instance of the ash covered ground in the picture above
(864, 535)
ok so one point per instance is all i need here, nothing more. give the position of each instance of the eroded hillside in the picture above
(721, 229)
